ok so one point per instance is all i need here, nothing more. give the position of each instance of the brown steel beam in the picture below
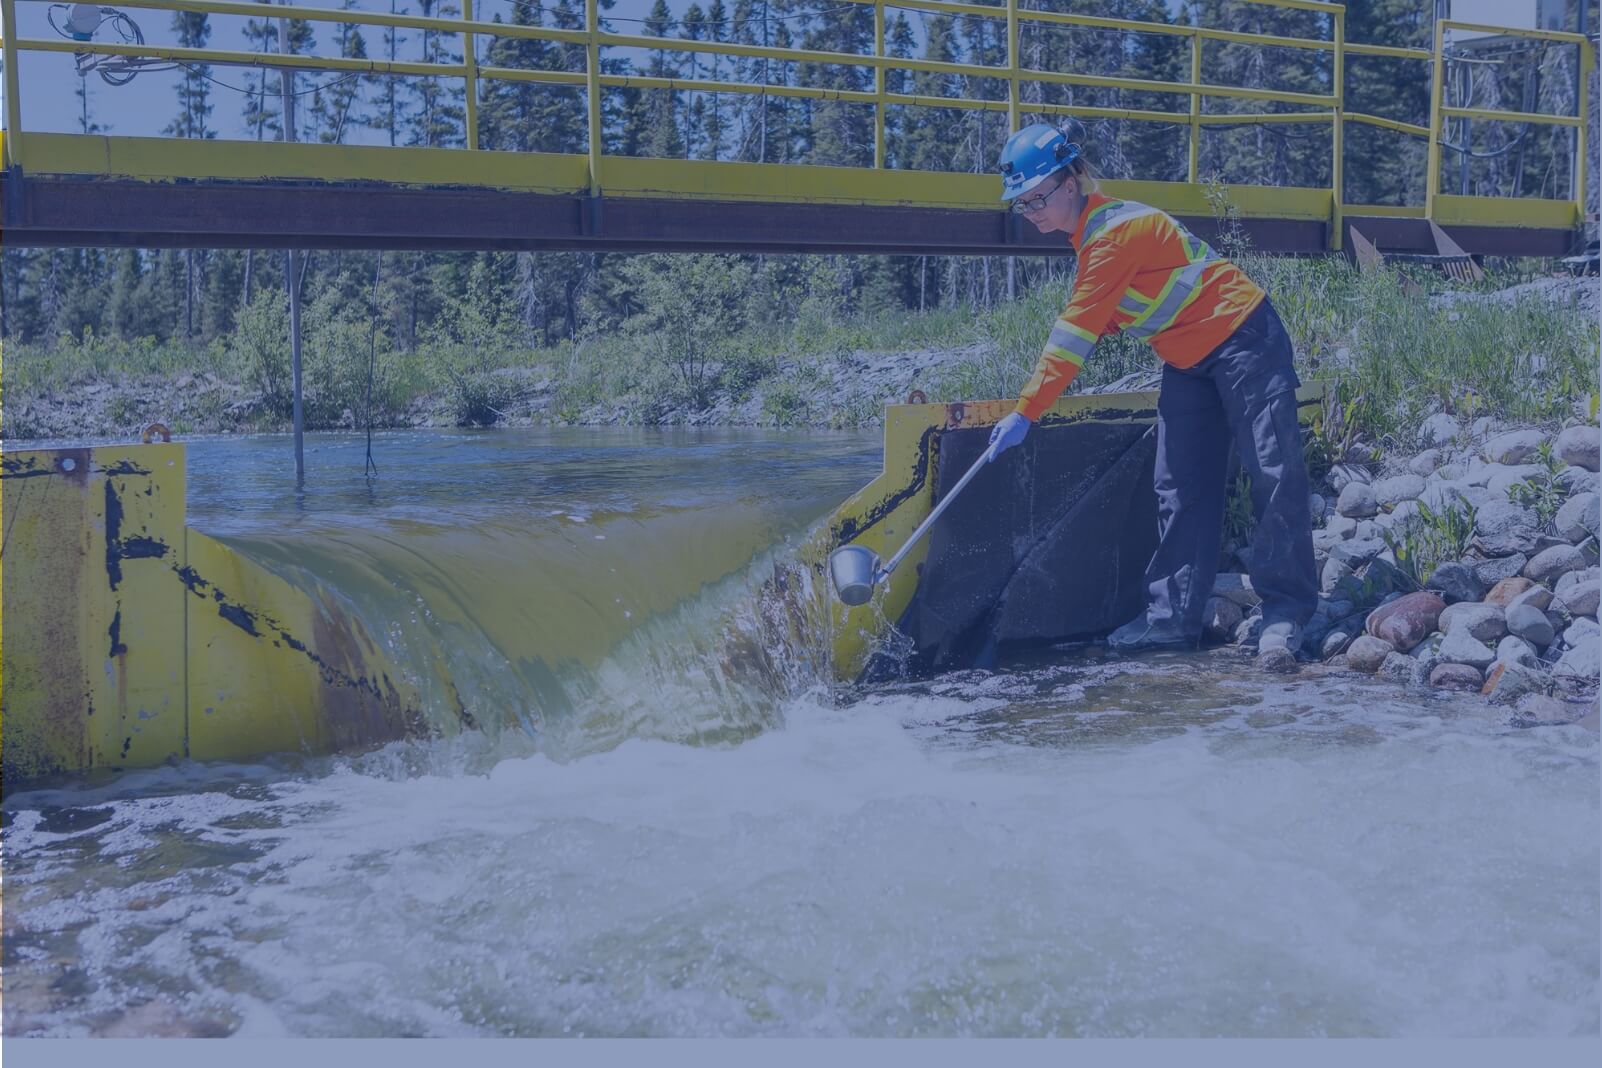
(1413, 237)
(62, 211)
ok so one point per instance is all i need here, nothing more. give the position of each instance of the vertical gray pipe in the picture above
(292, 274)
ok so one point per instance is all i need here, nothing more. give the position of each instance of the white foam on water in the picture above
(921, 863)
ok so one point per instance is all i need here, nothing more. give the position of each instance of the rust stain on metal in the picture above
(356, 709)
(956, 412)
(359, 709)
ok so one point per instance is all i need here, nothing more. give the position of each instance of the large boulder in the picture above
(1515, 650)
(1461, 647)
(1497, 568)
(1549, 565)
(1484, 622)
(1538, 597)
(1342, 475)
(1337, 577)
(1514, 447)
(1357, 501)
(1579, 446)
(1407, 620)
(1425, 463)
(1574, 578)
(1581, 598)
(1506, 682)
(1398, 488)
(1398, 667)
(1531, 624)
(1340, 525)
(1500, 477)
(1504, 592)
(1355, 552)
(1579, 480)
(1584, 661)
(1367, 653)
(1579, 518)
(1503, 528)
(1453, 676)
(1399, 520)
(1456, 582)
(1439, 429)
(1581, 632)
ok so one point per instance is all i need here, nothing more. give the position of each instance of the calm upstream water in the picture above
(667, 827)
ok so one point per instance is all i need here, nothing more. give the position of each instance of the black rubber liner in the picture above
(1048, 545)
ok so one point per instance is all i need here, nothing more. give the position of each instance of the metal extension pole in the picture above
(287, 84)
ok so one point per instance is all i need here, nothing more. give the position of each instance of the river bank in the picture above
(1524, 352)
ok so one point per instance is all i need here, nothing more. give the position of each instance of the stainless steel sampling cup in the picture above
(853, 568)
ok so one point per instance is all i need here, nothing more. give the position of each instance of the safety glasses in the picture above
(1035, 203)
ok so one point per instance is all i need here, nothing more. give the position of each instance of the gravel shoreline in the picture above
(1469, 565)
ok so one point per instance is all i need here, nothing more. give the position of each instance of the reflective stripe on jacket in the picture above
(1141, 273)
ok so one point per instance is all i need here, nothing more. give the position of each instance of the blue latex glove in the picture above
(1009, 432)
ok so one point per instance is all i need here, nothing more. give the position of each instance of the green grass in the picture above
(1392, 357)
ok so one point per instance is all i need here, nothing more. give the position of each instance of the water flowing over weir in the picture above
(571, 599)
(580, 629)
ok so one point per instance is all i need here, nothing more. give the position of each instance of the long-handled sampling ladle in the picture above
(855, 569)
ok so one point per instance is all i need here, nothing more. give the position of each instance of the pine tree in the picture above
(714, 133)
(840, 133)
(336, 102)
(651, 123)
(439, 115)
(512, 116)
(260, 115)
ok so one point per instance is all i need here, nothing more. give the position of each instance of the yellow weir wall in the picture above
(128, 640)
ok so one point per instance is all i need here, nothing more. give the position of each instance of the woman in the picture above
(1227, 371)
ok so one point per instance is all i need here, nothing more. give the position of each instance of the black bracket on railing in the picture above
(590, 216)
(1010, 234)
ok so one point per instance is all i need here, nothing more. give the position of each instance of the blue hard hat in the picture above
(1032, 155)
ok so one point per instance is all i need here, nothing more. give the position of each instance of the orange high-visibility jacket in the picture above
(1142, 273)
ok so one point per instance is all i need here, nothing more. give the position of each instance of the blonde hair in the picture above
(1085, 172)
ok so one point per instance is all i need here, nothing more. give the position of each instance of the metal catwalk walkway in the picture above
(76, 189)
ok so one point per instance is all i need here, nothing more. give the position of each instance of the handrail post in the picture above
(1014, 104)
(470, 60)
(1337, 161)
(592, 76)
(1587, 65)
(1432, 171)
(13, 140)
(878, 85)
(1195, 107)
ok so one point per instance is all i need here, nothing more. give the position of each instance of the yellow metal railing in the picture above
(1319, 107)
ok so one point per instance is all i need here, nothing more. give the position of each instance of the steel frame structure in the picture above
(77, 189)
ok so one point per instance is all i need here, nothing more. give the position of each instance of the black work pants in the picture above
(1245, 391)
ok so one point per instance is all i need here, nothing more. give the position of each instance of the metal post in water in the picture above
(287, 82)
